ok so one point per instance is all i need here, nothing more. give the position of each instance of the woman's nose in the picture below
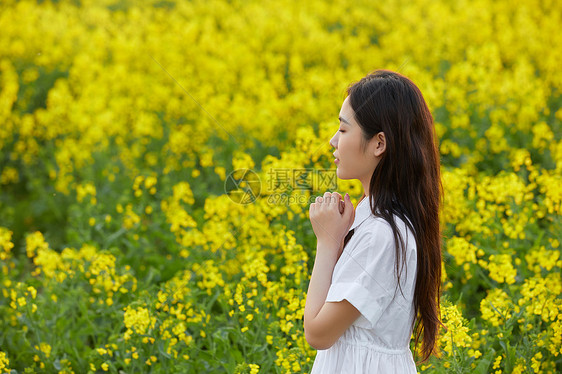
(334, 140)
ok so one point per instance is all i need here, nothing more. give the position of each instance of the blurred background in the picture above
(158, 159)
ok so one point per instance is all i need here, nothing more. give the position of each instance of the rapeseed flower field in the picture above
(159, 157)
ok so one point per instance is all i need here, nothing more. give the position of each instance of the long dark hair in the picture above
(406, 183)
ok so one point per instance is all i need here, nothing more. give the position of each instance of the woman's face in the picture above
(352, 162)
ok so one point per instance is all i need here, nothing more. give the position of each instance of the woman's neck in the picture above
(362, 197)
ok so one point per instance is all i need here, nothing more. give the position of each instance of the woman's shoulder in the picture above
(377, 222)
(380, 229)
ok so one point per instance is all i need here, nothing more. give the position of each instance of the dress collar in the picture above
(362, 212)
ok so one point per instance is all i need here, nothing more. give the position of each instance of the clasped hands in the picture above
(331, 217)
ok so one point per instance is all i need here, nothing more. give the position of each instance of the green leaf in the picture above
(162, 351)
(484, 366)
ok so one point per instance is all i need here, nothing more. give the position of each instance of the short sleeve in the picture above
(364, 274)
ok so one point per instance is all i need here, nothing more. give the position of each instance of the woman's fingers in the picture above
(330, 200)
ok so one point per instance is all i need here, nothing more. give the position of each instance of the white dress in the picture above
(378, 341)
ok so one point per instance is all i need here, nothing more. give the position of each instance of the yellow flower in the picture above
(474, 353)
(221, 172)
(242, 160)
(150, 182)
(519, 369)
(539, 296)
(6, 244)
(137, 321)
(83, 190)
(542, 259)
(34, 243)
(102, 351)
(45, 348)
(497, 362)
(536, 362)
(4, 362)
(501, 269)
(462, 250)
(457, 331)
(131, 218)
(9, 175)
(496, 307)
(33, 291)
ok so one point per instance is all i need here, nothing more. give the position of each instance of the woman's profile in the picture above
(377, 272)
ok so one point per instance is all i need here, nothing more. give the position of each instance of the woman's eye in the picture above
(341, 131)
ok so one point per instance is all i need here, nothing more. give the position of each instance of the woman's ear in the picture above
(380, 144)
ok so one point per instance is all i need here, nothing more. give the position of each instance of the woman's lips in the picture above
(336, 161)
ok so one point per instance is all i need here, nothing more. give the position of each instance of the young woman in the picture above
(377, 271)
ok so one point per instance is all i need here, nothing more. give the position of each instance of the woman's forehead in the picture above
(346, 112)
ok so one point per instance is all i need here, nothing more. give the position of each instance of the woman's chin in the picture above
(340, 174)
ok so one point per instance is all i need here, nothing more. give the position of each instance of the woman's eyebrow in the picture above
(343, 120)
